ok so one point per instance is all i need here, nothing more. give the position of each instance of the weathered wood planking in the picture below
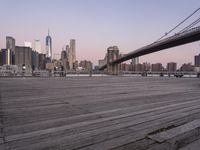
(93, 113)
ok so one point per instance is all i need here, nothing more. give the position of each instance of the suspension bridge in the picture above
(188, 34)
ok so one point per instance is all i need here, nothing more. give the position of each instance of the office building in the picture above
(67, 48)
(23, 57)
(49, 47)
(156, 67)
(63, 54)
(71, 53)
(75, 65)
(86, 65)
(96, 68)
(6, 57)
(42, 61)
(64, 60)
(187, 67)
(197, 60)
(1, 60)
(135, 61)
(10, 46)
(28, 44)
(3, 56)
(56, 56)
(35, 60)
(140, 67)
(55, 65)
(171, 67)
(37, 46)
(73, 49)
(124, 67)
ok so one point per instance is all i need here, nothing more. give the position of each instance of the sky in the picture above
(98, 24)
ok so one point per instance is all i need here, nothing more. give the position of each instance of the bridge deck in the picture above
(97, 113)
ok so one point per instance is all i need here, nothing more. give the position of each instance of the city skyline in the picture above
(98, 25)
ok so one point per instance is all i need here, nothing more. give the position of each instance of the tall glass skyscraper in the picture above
(72, 54)
(38, 46)
(10, 46)
(49, 47)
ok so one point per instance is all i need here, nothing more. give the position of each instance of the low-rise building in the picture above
(197, 60)
(156, 67)
(187, 67)
(86, 65)
(125, 67)
(171, 67)
(23, 57)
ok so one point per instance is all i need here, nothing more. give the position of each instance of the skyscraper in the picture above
(10, 46)
(63, 54)
(49, 47)
(42, 61)
(197, 60)
(37, 46)
(72, 54)
(6, 56)
(73, 49)
(64, 60)
(28, 44)
(1, 58)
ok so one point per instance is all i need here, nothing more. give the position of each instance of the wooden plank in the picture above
(86, 138)
(133, 138)
(172, 133)
(193, 146)
(75, 119)
(149, 113)
(1, 140)
(96, 96)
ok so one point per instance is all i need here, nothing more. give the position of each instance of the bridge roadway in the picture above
(98, 113)
(176, 40)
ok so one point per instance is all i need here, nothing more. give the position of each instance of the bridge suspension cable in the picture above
(191, 25)
(179, 24)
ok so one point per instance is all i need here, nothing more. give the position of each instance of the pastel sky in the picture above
(98, 24)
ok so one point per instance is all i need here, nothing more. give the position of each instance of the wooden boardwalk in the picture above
(99, 113)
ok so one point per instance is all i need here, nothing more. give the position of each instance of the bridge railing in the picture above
(45, 73)
(162, 73)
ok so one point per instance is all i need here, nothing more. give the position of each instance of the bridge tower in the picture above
(112, 54)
